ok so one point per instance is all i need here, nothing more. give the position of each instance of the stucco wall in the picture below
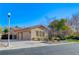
(33, 34)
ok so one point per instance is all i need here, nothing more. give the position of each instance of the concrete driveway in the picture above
(24, 44)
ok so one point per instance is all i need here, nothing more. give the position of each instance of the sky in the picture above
(30, 14)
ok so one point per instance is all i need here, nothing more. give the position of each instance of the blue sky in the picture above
(34, 14)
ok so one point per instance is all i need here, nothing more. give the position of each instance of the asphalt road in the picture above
(66, 49)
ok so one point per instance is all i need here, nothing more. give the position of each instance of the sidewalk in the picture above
(27, 44)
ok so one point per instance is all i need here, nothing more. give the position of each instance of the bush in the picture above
(76, 37)
(69, 37)
(50, 37)
(58, 39)
(61, 37)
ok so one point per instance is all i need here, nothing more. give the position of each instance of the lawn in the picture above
(71, 40)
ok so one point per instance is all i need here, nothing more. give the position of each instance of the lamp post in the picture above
(8, 29)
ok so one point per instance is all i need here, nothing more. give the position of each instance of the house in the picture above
(38, 32)
(12, 33)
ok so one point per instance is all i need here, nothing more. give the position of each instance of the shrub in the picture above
(61, 37)
(50, 37)
(75, 37)
(69, 37)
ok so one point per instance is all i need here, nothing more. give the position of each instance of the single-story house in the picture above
(38, 32)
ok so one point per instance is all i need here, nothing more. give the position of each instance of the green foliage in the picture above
(65, 28)
(5, 30)
(50, 37)
(0, 29)
(54, 24)
(70, 40)
(58, 24)
(60, 27)
(70, 37)
(74, 37)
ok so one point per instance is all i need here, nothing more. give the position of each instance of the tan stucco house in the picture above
(38, 32)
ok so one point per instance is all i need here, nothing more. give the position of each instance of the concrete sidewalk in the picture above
(27, 44)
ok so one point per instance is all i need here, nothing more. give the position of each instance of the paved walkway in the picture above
(26, 44)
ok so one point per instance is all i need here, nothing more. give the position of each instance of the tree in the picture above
(59, 27)
(58, 24)
(5, 30)
(74, 23)
(53, 28)
(53, 25)
(0, 29)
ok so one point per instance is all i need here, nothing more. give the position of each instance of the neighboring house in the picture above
(12, 33)
(0, 36)
(38, 32)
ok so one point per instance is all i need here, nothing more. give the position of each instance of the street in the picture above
(64, 49)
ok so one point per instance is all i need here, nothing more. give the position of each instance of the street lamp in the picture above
(9, 29)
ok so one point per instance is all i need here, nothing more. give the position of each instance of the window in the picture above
(37, 33)
(43, 33)
(40, 33)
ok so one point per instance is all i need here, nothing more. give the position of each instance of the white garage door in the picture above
(26, 36)
(20, 36)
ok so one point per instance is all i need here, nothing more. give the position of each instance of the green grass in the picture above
(71, 40)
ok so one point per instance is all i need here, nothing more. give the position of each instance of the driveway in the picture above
(15, 44)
